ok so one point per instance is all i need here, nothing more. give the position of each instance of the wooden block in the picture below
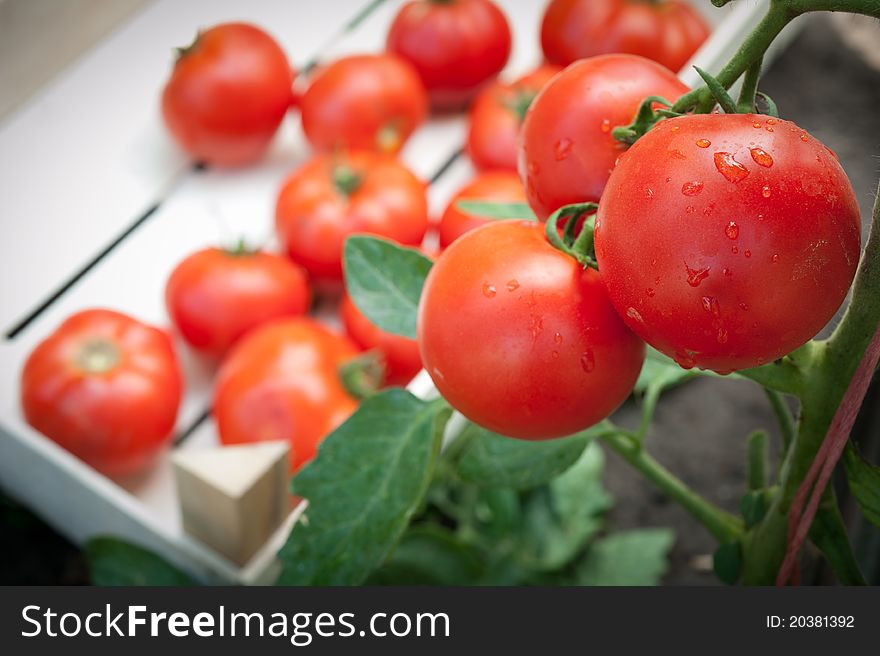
(234, 497)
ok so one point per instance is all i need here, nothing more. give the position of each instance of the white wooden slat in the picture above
(88, 155)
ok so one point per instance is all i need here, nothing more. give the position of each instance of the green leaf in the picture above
(727, 562)
(431, 555)
(114, 562)
(490, 210)
(561, 518)
(493, 460)
(385, 280)
(368, 479)
(864, 482)
(753, 506)
(628, 558)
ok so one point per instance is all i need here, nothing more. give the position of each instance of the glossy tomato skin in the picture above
(313, 215)
(400, 354)
(496, 117)
(368, 102)
(106, 387)
(491, 186)
(727, 241)
(215, 296)
(534, 348)
(281, 382)
(566, 148)
(456, 46)
(227, 94)
(668, 32)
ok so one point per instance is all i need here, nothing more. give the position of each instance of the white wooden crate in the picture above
(98, 206)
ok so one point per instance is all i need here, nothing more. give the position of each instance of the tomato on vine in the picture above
(281, 382)
(227, 94)
(726, 241)
(567, 150)
(496, 117)
(334, 196)
(368, 102)
(106, 387)
(535, 349)
(215, 296)
(491, 186)
(667, 31)
(457, 46)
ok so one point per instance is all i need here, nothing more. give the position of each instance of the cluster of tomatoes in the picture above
(724, 241)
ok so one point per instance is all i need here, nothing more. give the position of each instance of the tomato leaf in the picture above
(501, 211)
(369, 477)
(492, 460)
(114, 562)
(561, 518)
(431, 555)
(864, 482)
(385, 282)
(636, 557)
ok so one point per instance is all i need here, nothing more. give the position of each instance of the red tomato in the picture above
(667, 31)
(215, 296)
(105, 387)
(496, 116)
(281, 382)
(400, 354)
(456, 46)
(566, 148)
(369, 102)
(227, 94)
(334, 196)
(727, 241)
(492, 186)
(520, 338)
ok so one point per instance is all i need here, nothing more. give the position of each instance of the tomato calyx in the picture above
(345, 179)
(389, 137)
(646, 117)
(520, 103)
(362, 376)
(241, 249)
(98, 356)
(576, 243)
(181, 52)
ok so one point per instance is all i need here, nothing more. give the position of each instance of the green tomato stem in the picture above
(745, 104)
(828, 533)
(783, 418)
(723, 526)
(757, 459)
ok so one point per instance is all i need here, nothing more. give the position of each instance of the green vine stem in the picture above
(780, 14)
(723, 526)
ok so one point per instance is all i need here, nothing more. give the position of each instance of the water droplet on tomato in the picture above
(775, 258)
(668, 179)
(710, 305)
(633, 314)
(555, 355)
(804, 137)
(605, 126)
(512, 285)
(722, 336)
(557, 338)
(691, 188)
(734, 250)
(756, 125)
(489, 290)
(690, 209)
(650, 292)
(727, 272)
(696, 276)
(537, 326)
(727, 166)
(771, 121)
(562, 149)
(649, 193)
(761, 157)
(677, 154)
(765, 191)
(675, 128)
(731, 230)
(588, 361)
(747, 253)
(703, 143)
(769, 129)
(685, 360)
(744, 307)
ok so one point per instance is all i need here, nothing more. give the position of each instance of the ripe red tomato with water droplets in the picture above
(400, 355)
(533, 348)
(281, 382)
(215, 296)
(334, 196)
(227, 94)
(666, 31)
(106, 387)
(496, 117)
(566, 148)
(456, 46)
(367, 102)
(726, 241)
(492, 187)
